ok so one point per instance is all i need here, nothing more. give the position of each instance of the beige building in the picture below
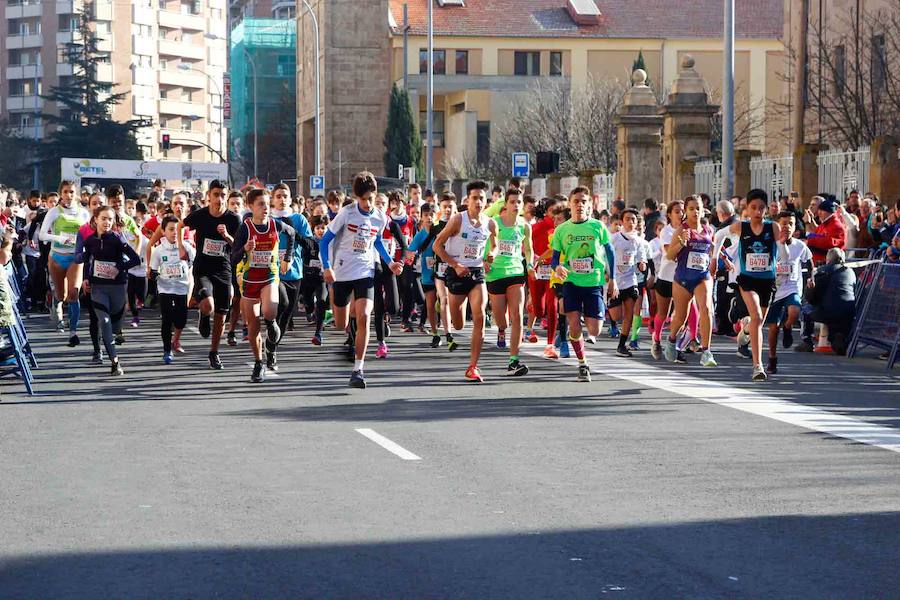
(168, 56)
(488, 51)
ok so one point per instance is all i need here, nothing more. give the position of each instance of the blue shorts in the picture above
(586, 300)
(778, 309)
(63, 260)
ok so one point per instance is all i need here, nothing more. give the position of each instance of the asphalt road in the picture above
(651, 482)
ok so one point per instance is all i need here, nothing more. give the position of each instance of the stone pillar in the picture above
(806, 171)
(639, 174)
(884, 169)
(686, 129)
(742, 171)
(553, 183)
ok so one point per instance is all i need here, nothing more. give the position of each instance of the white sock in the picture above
(358, 364)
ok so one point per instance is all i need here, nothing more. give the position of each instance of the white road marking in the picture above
(388, 444)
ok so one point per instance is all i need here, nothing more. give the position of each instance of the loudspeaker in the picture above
(547, 162)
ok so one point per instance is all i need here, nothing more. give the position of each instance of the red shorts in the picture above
(252, 290)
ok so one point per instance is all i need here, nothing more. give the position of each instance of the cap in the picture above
(828, 205)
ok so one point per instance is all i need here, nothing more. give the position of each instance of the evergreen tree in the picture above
(16, 158)
(639, 64)
(85, 127)
(402, 142)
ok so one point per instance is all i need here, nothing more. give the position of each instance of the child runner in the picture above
(312, 286)
(291, 281)
(584, 241)
(422, 246)
(642, 278)
(462, 245)
(541, 301)
(258, 263)
(665, 275)
(630, 262)
(171, 260)
(357, 229)
(509, 259)
(446, 209)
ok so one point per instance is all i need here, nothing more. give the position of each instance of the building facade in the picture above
(488, 52)
(168, 56)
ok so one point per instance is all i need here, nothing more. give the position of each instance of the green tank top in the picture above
(508, 259)
(67, 223)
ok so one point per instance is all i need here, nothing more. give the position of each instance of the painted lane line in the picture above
(388, 444)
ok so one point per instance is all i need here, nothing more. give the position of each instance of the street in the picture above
(653, 481)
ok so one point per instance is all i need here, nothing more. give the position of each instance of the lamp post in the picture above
(429, 155)
(187, 67)
(728, 105)
(315, 23)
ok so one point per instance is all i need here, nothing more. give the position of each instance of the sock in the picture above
(612, 322)
(449, 337)
(658, 327)
(501, 333)
(74, 315)
(622, 339)
(358, 364)
(513, 358)
(563, 328)
(636, 322)
(578, 347)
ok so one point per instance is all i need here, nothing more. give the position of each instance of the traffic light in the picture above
(165, 141)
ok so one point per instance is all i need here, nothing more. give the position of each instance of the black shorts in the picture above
(663, 288)
(626, 294)
(461, 286)
(359, 288)
(498, 287)
(764, 288)
(558, 290)
(217, 288)
(429, 287)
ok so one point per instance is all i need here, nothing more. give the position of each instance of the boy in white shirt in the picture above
(171, 260)
(630, 260)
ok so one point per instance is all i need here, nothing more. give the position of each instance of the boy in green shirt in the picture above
(583, 241)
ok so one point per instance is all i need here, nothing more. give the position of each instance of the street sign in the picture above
(316, 185)
(520, 165)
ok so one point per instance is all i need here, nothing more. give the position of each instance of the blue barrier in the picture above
(878, 324)
(23, 356)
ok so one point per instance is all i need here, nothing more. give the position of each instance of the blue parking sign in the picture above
(521, 166)
(317, 184)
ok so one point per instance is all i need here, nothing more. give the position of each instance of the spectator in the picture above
(833, 300)
(864, 238)
(724, 293)
(892, 254)
(852, 203)
(651, 216)
(829, 233)
(851, 225)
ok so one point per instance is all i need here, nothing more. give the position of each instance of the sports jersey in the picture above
(757, 252)
(666, 270)
(354, 253)
(468, 245)
(407, 227)
(788, 267)
(61, 227)
(629, 253)
(213, 250)
(131, 231)
(692, 262)
(302, 229)
(508, 260)
(582, 244)
(440, 267)
(141, 249)
(423, 244)
(173, 271)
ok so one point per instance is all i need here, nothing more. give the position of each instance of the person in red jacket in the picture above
(829, 233)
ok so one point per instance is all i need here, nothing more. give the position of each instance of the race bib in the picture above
(260, 259)
(429, 262)
(172, 271)
(698, 261)
(68, 239)
(582, 266)
(757, 262)
(543, 272)
(281, 255)
(105, 269)
(507, 248)
(442, 269)
(784, 269)
(315, 264)
(472, 251)
(214, 248)
(361, 244)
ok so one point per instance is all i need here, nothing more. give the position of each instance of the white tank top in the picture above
(469, 244)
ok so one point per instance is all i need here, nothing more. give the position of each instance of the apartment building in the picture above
(260, 9)
(168, 56)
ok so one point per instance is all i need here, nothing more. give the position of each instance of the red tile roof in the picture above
(619, 19)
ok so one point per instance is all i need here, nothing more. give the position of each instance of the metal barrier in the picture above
(773, 174)
(841, 172)
(878, 323)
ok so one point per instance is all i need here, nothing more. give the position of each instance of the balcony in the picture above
(67, 37)
(144, 76)
(103, 10)
(173, 48)
(105, 72)
(33, 40)
(177, 107)
(29, 132)
(105, 42)
(188, 79)
(143, 45)
(24, 71)
(144, 107)
(69, 7)
(24, 102)
(26, 8)
(64, 69)
(177, 20)
(142, 15)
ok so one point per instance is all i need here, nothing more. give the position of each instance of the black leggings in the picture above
(173, 310)
(385, 297)
(137, 292)
(288, 292)
(94, 324)
(412, 292)
(315, 298)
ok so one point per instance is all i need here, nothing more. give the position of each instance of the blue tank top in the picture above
(692, 262)
(757, 252)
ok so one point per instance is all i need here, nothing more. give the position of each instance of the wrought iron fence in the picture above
(841, 172)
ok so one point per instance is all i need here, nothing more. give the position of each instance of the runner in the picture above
(542, 304)
(95, 201)
(357, 229)
(756, 282)
(108, 257)
(584, 241)
(665, 275)
(461, 244)
(387, 296)
(642, 279)
(60, 227)
(312, 286)
(171, 261)
(793, 258)
(422, 249)
(215, 229)
(446, 209)
(236, 207)
(508, 261)
(406, 282)
(258, 262)
(692, 248)
(631, 261)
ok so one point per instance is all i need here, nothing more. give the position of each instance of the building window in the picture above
(185, 95)
(527, 63)
(68, 23)
(163, 93)
(187, 153)
(440, 62)
(187, 38)
(462, 62)
(483, 142)
(840, 70)
(190, 8)
(879, 65)
(556, 64)
(287, 65)
(187, 123)
(438, 133)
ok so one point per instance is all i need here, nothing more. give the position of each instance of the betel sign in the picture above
(93, 168)
(520, 164)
